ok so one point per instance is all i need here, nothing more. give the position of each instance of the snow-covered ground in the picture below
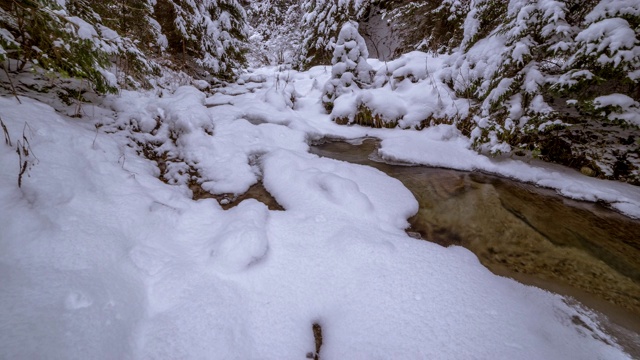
(101, 259)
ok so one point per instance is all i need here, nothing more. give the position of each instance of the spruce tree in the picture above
(322, 22)
(128, 33)
(505, 66)
(604, 59)
(46, 35)
(548, 76)
(210, 34)
(350, 70)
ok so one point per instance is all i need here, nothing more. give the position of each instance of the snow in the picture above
(609, 36)
(329, 189)
(101, 259)
(620, 100)
(611, 9)
(85, 30)
(623, 107)
(384, 102)
(407, 90)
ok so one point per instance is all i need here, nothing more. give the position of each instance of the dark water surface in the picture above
(530, 234)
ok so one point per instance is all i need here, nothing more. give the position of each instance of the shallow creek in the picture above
(533, 235)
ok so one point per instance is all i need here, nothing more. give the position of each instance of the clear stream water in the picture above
(533, 235)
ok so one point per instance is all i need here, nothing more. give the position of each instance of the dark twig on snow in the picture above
(7, 137)
(13, 89)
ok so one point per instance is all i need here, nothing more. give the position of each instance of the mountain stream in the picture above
(581, 250)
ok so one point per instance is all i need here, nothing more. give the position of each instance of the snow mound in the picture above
(243, 240)
(336, 189)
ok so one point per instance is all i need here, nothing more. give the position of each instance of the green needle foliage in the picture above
(121, 43)
(43, 34)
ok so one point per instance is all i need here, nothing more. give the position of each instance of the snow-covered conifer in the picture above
(507, 65)
(350, 69)
(129, 34)
(210, 33)
(45, 34)
(120, 42)
(605, 59)
(322, 22)
(537, 68)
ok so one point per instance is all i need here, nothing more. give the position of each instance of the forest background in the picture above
(552, 79)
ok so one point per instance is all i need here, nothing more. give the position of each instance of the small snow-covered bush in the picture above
(348, 95)
(379, 108)
(406, 92)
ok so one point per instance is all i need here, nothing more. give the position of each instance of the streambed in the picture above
(533, 235)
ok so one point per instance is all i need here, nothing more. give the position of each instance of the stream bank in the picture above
(533, 235)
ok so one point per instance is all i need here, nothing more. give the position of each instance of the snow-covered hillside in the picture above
(104, 254)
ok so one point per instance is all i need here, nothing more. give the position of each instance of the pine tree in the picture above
(45, 34)
(350, 69)
(604, 59)
(322, 22)
(116, 42)
(128, 33)
(506, 67)
(545, 75)
(210, 34)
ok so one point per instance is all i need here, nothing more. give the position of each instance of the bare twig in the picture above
(7, 137)
(13, 89)
(25, 154)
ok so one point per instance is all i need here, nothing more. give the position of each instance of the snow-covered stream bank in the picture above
(102, 259)
(527, 233)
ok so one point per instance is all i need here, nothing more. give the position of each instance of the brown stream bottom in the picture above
(533, 235)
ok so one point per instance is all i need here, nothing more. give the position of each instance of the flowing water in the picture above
(578, 249)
